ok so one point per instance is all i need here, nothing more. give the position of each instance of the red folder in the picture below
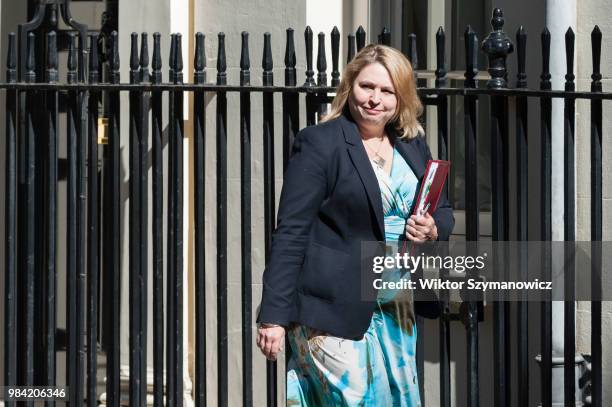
(431, 187)
(429, 193)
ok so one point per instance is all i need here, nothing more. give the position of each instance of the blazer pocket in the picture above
(322, 271)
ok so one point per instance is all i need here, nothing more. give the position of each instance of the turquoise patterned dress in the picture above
(379, 369)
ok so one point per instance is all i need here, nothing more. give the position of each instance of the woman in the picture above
(352, 178)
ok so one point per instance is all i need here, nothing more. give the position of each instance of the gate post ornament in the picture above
(497, 46)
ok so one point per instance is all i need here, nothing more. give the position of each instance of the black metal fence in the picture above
(94, 215)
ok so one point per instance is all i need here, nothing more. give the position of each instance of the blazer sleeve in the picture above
(304, 189)
(443, 216)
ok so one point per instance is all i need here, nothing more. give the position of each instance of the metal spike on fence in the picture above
(440, 58)
(199, 59)
(351, 48)
(172, 61)
(178, 65)
(156, 76)
(134, 65)
(52, 75)
(412, 51)
(545, 76)
(471, 56)
(360, 36)
(245, 60)
(385, 37)
(596, 53)
(309, 71)
(144, 57)
(72, 59)
(94, 75)
(569, 59)
(335, 42)
(290, 60)
(497, 46)
(11, 58)
(521, 48)
(321, 61)
(266, 61)
(114, 58)
(221, 61)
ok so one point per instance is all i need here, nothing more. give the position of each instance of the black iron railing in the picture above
(94, 215)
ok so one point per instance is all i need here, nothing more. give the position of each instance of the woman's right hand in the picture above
(270, 339)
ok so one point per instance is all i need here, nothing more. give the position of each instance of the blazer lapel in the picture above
(364, 169)
(412, 155)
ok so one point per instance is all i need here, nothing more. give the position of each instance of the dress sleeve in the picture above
(304, 189)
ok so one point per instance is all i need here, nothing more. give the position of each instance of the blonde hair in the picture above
(409, 106)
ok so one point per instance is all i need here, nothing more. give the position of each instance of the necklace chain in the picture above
(379, 160)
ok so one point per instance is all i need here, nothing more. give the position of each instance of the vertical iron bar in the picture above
(245, 217)
(29, 218)
(471, 203)
(143, 146)
(546, 217)
(569, 349)
(93, 226)
(176, 191)
(497, 46)
(158, 207)
(171, 393)
(10, 219)
(134, 233)
(444, 323)
(112, 229)
(269, 197)
(51, 215)
(73, 271)
(385, 37)
(596, 223)
(199, 143)
(522, 164)
(222, 225)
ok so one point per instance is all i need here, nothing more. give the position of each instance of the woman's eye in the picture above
(388, 91)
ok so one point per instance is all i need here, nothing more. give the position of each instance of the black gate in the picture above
(94, 220)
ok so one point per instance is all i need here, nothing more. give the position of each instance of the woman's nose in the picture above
(375, 96)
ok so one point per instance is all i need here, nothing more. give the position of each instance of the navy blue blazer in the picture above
(331, 202)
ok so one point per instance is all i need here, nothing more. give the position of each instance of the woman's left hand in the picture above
(421, 228)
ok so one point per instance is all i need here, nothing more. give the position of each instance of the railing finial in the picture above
(290, 59)
(178, 56)
(156, 76)
(134, 65)
(94, 75)
(144, 57)
(11, 58)
(497, 46)
(52, 75)
(521, 50)
(570, 37)
(351, 48)
(266, 61)
(321, 61)
(545, 76)
(309, 71)
(72, 58)
(335, 41)
(596, 52)
(199, 59)
(440, 60)
(114, 58)
(360, 36)
(471, 57)
(245, 60)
